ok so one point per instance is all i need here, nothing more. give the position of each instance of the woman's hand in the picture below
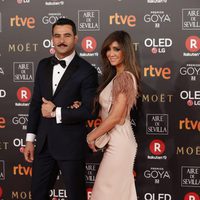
(75, 105)
(91, 143)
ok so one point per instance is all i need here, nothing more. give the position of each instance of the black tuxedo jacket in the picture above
(67, 140)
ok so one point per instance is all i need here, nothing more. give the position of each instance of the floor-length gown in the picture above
(115, 180)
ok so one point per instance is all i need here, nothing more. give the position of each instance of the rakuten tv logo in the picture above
(89, 193)
(129, 20)
(1, 192)
(89, 44)
(23, 94)
(191, 196)
(192, 44)
(17, 21)
(157, 148)
(164, 72)
(2, 122)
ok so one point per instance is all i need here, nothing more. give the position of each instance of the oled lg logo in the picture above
(17, 21)
(157, 148)
(157, 18)
(192, 97)
(89, 45)
(191, 19)
(23, 95)
(190, 70)
(191, 196)
(48, 44)
(117, 19)
(2, 93)
(163, 72)
(59, 194)
(157, 196)
(192, 44)
(158, 45)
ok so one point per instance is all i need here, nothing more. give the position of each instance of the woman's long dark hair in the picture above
(130, 62)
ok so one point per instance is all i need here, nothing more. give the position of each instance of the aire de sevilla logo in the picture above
(191, 196)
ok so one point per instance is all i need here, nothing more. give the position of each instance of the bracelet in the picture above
(89, 142)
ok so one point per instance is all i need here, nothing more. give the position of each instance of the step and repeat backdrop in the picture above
(167, 122)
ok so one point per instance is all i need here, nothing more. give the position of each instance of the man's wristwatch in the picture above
(53, 112)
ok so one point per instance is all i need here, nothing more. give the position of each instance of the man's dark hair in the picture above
(65, 21)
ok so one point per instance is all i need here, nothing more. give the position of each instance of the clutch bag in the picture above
(102, 141)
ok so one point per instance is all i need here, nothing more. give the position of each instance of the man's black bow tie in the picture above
(55, 61)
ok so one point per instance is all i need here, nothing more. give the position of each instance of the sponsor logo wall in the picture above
(167, 122)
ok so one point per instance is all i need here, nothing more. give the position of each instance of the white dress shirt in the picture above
(58, 72)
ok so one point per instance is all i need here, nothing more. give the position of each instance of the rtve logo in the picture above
(189, 124)
(163, 72)
(89, 44)
(192, 44)
(22, 170)
(2, 122)
(157, 147)
(93, 123)
(191, 196)
(117, 19)
(28, 22)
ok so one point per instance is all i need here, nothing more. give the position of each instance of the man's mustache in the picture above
(60, 45)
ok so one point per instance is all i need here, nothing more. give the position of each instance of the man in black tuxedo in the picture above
(62, 82)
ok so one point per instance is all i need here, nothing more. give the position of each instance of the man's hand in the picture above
(29, 152)
(47, 108)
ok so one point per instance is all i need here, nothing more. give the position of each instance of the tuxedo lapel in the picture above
(48, 79)
(69, 71)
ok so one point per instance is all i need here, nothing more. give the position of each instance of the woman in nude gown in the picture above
(117, 95)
